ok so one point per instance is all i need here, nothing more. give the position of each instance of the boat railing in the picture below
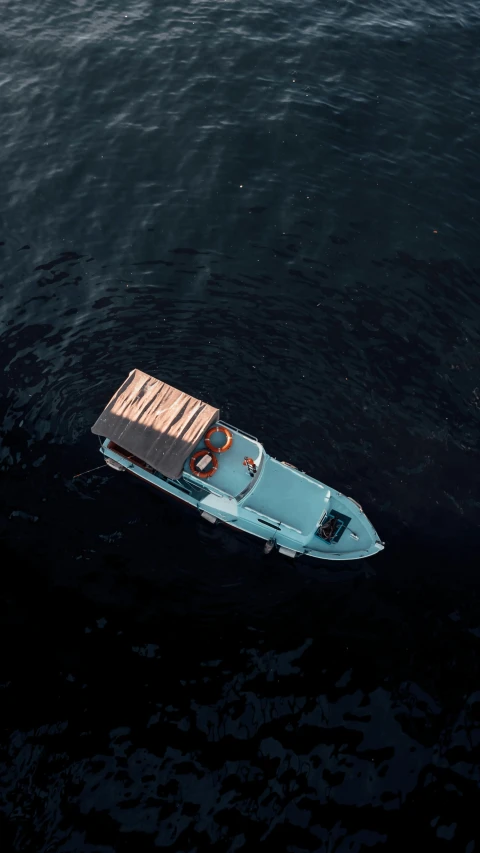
(182, 487)
(206, 486)
(219, 492)
(300, 473)
(262, 514)
(289, 526)
(236, 429)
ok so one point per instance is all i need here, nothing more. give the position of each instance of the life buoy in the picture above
(226, 433)
(203, 474)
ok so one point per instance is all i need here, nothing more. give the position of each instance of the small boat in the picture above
(178, 444)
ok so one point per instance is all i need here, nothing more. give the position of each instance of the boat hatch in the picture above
(333, 526)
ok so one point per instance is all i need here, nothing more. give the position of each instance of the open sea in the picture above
(273, 206)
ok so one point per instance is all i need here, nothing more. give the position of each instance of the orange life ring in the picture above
(225, 446)
(203, 474)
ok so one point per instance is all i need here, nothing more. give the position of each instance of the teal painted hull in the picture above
(280, 505)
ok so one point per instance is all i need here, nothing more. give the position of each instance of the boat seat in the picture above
(342, 521)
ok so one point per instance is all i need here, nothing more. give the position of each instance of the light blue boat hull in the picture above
(279, 505)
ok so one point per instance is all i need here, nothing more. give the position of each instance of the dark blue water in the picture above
(274, 207)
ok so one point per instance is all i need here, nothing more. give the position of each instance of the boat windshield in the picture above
(253, 480)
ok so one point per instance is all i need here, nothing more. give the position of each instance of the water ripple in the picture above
(274, 208)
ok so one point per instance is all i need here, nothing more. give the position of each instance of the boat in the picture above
(179, 445)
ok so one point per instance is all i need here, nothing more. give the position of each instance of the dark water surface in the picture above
(275, 207)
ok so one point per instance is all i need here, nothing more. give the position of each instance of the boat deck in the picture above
(287, 496)
(231, 476)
